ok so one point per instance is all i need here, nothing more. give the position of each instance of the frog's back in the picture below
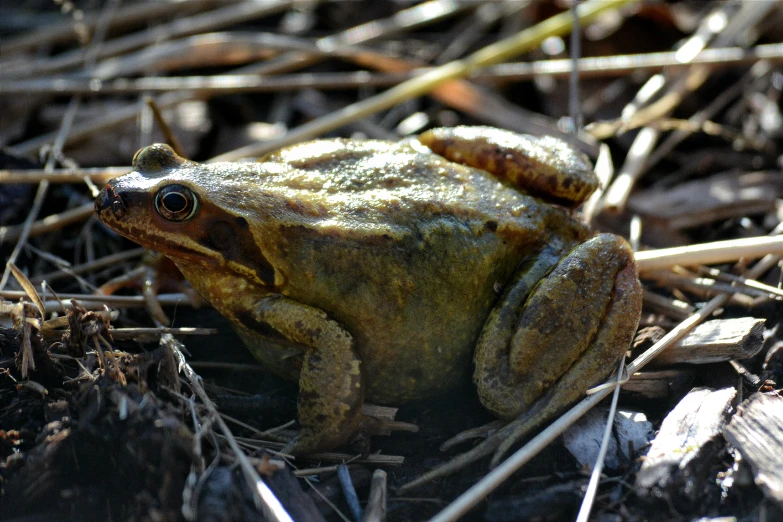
(372, 187)
(406, 249)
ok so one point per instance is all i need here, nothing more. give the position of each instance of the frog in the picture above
(390, 271)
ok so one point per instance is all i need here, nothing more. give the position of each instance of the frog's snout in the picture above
(110, 200)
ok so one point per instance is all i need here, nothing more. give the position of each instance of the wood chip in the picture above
(657, 384)
(688, 441)
(716, 341)
(757, 432)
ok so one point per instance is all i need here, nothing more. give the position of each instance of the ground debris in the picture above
(717, 340)
(661, 384)
(224, 496)
(756, 430)
(630, 433)
(679, 466)
(113, 451)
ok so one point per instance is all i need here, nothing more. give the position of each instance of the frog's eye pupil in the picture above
(176, 203)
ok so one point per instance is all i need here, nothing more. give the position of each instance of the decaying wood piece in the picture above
(716, 341)
(657, 384)
(706, 200)
(757, 433)
(677, 466)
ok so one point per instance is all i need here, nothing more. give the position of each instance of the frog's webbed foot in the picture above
(494, 443)
(330, 383)
(573, 328)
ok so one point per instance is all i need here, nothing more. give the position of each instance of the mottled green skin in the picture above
(382, 256)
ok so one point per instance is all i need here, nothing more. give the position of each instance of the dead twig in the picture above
(709, 253)
(497, 52)
(592, 67)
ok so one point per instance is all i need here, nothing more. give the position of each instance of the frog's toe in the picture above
(473, 433)
(493, 444)
(371, 424)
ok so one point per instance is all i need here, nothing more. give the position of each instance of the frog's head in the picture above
(177, 207)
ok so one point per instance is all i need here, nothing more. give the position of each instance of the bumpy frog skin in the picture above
(387, 271)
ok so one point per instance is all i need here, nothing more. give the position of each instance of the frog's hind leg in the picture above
(569, 334)
(331, 392)
(609, 333)
(615, 330)
(543, 166)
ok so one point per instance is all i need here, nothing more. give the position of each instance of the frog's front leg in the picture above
(331, 392)
(569, 334)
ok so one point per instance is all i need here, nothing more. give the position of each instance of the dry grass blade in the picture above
(48, 224)
(59, 143)
(709, 253)
(376, 503)
(705, 285)
(65, 31)
(265, 500)
(741, 281)
(217, 18)
(596, 67)
(422, 14)
(28, 288)
(595, 476)
(133, 333)
(75, 270)
(494, 53)
(714, 27)
(98, 175)
(28, 359)
(98, 300)
(163, 125)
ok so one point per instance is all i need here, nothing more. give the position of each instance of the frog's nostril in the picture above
(101, 202)
(109, 199)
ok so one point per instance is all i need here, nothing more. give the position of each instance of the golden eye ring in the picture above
(176, 203)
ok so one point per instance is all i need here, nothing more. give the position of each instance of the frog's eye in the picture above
(176, 202)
